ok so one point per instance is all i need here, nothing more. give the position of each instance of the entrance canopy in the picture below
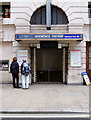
(56, 36)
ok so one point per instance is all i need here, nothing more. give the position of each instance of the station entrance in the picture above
(49, 64)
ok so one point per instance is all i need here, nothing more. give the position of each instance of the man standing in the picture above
(25, 70)
(14, 69)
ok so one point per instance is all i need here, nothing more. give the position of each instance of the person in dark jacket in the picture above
(14, 69)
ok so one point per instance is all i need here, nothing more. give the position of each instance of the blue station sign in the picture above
(58, 36)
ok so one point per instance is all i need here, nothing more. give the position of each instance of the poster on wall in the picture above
(75, 58)
(22, 54)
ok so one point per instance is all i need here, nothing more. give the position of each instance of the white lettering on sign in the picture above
(42, 36)
(58, 36)
(72, 36)
(25, 36)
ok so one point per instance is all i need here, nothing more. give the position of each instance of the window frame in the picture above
(89, 10)
(64, 17)
(6, 11)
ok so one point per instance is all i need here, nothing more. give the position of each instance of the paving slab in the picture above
(45, 98)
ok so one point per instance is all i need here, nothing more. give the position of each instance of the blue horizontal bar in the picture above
(49, 36)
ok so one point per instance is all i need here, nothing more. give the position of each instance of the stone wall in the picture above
(6, 54)
(21, 12)
(74, 73)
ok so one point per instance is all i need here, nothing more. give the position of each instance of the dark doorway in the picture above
(88, 59)
(49, 65)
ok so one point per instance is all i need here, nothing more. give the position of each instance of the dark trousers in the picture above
(15, 80)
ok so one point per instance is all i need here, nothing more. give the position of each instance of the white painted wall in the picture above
(8, 32)
(74, 73)
(6, 54)
(54, 29)
(21, 12)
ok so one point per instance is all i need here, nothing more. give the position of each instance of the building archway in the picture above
(58, 16)
(48, 69)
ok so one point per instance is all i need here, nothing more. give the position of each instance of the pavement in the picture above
(44, 98)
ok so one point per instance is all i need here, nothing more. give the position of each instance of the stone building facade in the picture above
(19, 22)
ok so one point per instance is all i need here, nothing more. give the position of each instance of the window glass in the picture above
(34, 19)
(60, 17)
(6, 11)
(89, 10)
(38, 17)
(89, 53)
(0, 9)
(57, 16)
(89, 60)
(54, 15)
(43, 16)
(89, 48)
(89, 66)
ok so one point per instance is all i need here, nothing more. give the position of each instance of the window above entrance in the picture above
(89, 9)
(5, 10)
(57, 16)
